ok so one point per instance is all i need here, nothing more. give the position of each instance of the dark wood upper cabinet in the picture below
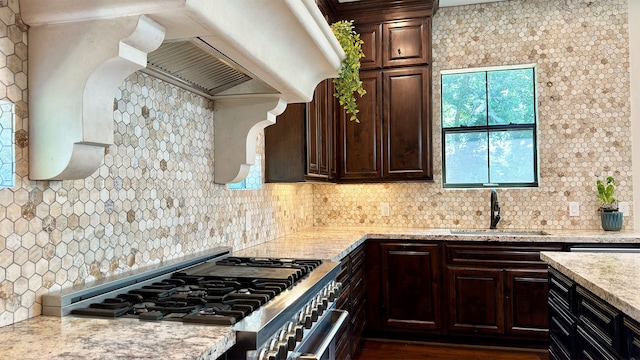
(406, 43)
(320, 156)
(393, 139)
(371, 35)
(407, 123)
(392, 142)
(299, 146)
(284, 146)
(360, 143)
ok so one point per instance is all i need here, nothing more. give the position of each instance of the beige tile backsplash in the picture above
(154, 198)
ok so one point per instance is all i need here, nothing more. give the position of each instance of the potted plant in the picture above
(610, 217)
(348, 81)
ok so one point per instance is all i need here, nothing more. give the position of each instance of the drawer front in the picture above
(343, 275)
(587, 347)
(561, 288)
(357, 259)
(493, 255)
(561, 330)
(601, 318)
(358, 287)
(630, 339)
(343, 302)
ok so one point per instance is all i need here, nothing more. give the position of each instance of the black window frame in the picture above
(488, 129)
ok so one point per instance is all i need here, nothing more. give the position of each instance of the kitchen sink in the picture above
(489, 232)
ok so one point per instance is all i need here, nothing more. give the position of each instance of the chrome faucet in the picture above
(495, 209)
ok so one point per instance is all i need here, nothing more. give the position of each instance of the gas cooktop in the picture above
(220, 292)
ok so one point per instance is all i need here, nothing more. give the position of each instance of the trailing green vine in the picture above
(348, 83)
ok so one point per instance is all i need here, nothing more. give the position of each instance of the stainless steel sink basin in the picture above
(490, 232)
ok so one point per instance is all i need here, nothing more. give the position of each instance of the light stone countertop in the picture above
(333, 243)
(48, 337)
(613, 277)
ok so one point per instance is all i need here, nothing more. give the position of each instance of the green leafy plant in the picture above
(605, 194)
(348, 83)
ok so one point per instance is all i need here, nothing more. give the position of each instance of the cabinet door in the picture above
(630, 339)
(371, 36)
(319, 131)
(406, 42)
(476, 300)
(360, 142)
(284, 146)
(526, 293)
(407, 124)
(410, 286)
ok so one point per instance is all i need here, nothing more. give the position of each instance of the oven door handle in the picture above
(328, 339)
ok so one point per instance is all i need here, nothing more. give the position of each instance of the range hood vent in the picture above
(251, 57)
(195, 65)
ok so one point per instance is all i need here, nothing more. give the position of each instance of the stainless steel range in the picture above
(279, 308)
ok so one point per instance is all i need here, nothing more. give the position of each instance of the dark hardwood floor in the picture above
(383, 349)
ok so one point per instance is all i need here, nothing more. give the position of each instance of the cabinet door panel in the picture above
(284, 146)
(406, 43)
(410, 286)
(526, 308)
(476, 297)
(360, 142)
(631, 339)
(319, 131)
(407, 123)
(371, 35)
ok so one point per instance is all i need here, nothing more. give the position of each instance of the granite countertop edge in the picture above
(613, 277)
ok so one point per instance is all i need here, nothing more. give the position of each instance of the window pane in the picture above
(466, 158)
(464, 100)
(7, 155)
(512, 156)
(511, 97)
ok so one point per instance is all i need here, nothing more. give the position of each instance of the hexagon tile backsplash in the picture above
(154, 198)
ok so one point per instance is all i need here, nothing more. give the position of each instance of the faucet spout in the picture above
(495, 209)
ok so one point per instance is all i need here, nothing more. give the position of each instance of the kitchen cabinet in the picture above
(352, 299)
(449, 290)
(584, 326)
(319, 119)
(393, 139)
(498, 289)
(284, 146)
(395, 43)
(403, 286)
(475, 295)
(299, 146)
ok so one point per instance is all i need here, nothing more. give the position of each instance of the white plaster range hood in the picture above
(80, 51)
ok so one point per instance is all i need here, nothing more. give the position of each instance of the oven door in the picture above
(321, 343)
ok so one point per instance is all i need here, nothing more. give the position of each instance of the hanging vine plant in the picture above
(348, 83)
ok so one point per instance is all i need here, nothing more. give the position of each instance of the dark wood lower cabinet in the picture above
(584, 326)
(525, 314)
(475, 296)
(443, 291)
(352, 299)
(410, 286)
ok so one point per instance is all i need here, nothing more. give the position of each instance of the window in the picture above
(7, 155)
(489, 128)
(253, 181)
